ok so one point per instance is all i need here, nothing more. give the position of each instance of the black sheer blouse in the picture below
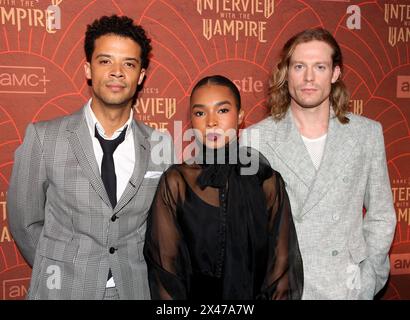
(232, 241)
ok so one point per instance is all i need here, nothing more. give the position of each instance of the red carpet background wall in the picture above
(41, 77)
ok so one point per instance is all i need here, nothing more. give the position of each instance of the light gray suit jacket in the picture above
(345, 255)
(60, 214)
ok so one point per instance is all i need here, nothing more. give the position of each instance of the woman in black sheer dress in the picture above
(214, 232)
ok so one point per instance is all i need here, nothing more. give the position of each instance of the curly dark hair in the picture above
(122, 26)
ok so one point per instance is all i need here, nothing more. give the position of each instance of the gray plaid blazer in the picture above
(60, 214)
(345, 255)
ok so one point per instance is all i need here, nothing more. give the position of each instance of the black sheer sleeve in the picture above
(165, 251)
(284, 274)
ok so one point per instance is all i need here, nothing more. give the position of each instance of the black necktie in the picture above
(107, 165)
(107, 168)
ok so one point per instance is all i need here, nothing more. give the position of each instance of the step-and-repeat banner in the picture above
(42, 77)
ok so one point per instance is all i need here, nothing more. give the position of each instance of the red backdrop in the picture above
(41, 77)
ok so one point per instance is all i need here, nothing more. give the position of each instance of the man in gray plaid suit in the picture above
(334, 164)
(84, 237)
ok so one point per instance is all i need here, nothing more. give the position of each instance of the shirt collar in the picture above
(92, 122)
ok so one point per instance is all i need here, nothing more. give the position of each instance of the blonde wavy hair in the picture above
(278, 94)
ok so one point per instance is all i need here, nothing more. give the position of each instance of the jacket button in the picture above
(335, 253)
(335, 217)
(114, 217)
(112, 250)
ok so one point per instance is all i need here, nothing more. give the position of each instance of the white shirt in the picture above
(315, 147)
(124, 155)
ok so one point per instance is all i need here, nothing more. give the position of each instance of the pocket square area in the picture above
(152, 174)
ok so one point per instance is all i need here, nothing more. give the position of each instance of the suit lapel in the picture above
(80, 142)
(289, 147)
(340, 143)
(142, 153)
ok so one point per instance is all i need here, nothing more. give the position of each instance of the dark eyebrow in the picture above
(103, 55)
(218, 104)
(198, 106)
(221, 103)
(134, 59)
(109, 56)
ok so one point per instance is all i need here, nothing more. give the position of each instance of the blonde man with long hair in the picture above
(334, 165)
